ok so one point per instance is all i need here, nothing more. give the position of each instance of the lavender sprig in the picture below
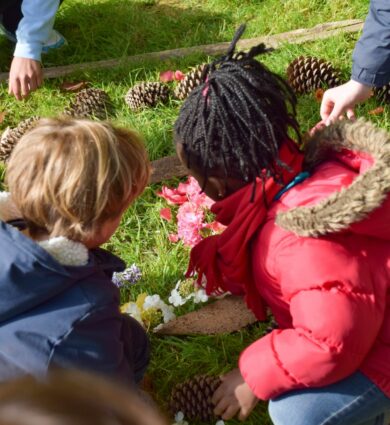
(129, 276)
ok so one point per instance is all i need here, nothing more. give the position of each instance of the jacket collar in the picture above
(351, 204)
(63, 250)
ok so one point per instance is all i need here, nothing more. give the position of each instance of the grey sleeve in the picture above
(371, 56)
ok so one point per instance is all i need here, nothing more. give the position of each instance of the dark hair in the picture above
(72, 398)
(235, 121)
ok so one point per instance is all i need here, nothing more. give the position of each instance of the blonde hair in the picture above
(70, 397)
(67, 176)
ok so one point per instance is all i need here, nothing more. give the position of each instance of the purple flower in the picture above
(132, 274)
(129, 276)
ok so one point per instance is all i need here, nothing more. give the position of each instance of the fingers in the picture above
(227, 408)
(326, 108)
(337, 112)
(230, 412)
(351, 114)
(25, 77)
(14, 89)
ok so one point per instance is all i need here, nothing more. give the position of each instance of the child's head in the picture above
(75, 178)
(231, 126)
(72, 398)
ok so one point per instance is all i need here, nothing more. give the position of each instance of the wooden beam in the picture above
(317, 32)
(167, 168)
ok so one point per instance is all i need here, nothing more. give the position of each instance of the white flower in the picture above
(133, 310)
(152, 301)
(179, 416)
(176, 299)
(200, 296)
(168, 314)
(179, 419)
(220, 422)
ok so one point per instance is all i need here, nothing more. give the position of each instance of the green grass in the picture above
(104, 29)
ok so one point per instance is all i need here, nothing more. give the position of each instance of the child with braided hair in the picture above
(307, 235)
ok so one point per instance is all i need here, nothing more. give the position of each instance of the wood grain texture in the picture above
(298, 36)
(226, 315)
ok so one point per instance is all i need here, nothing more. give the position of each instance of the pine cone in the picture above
(89, 103)
(147, 95)
(190, 81)
(193, 398)
(306, 74)
(11, 136)
(382, 93)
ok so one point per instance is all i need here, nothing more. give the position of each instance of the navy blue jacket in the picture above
(371, 57)
(59, 316)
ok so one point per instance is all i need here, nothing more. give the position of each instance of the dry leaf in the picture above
(226, 315)
(319, 94)
(2, 116)
(73, 86)
(167, 76)
(377, 111)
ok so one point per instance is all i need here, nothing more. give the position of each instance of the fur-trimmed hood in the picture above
(65, 251)
(351, 204)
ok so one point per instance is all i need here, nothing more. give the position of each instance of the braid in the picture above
(236, 120)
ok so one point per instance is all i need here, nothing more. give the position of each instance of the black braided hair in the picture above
(235, 121)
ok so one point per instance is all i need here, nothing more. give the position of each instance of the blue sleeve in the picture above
(35, 27)
(371, 57)
(96, 343)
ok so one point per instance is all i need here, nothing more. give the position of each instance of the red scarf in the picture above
(225, 259)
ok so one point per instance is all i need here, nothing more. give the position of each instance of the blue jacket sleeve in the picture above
(97, 343)
(371, 57)
(35, 27)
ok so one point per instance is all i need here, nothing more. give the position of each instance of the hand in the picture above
(342, 99)
(25, 76)
(232, 396)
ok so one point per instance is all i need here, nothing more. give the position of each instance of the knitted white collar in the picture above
(64, 250)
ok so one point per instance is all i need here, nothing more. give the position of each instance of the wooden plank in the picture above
(167, 168)
(298, 36)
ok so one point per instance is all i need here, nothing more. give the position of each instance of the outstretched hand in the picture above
(342, 99)
(25, 76)
(234, 396)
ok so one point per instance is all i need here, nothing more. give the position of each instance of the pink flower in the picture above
(191, 214)
(173, 237)
(189, 223)
(173, 196)
(215, 226)
(167, 76)
(195, 195)
(166, 214)
(179, 75)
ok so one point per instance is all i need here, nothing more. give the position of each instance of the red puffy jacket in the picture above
(324, 270)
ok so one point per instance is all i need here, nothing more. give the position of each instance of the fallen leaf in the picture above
(179, 75)
(167, 76)
(319, 94)
(228, 314)
(2, 116)
(172, 237)
(73, 86)
(166, 214)
(377, 111)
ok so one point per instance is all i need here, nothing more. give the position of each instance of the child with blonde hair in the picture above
(69, 181)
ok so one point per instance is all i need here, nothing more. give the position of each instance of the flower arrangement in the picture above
(192, 213)
(184, 291)
(149, 310)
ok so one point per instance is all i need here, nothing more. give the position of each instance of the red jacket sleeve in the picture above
(331, 295)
